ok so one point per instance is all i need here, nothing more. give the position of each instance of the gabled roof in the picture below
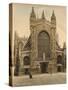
(28, 44)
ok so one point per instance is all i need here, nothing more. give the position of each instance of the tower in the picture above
(53, 41)
(33, 36)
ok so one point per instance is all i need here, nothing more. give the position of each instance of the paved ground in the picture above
(42, 79)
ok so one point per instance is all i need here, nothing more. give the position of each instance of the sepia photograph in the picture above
(37, 44)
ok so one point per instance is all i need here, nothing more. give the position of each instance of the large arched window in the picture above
(26, 60)
(43, 45)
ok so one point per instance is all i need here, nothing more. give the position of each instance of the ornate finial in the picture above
(33, 13)
(43, 16)
(32, 9)
(53, 15)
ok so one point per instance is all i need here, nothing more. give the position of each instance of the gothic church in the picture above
(41, 53)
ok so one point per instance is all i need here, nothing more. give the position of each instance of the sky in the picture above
(21, 19)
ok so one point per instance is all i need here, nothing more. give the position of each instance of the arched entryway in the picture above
(26, 62)
(59, 63)
(43, 50)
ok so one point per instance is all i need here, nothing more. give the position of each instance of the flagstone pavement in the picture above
(40, 79)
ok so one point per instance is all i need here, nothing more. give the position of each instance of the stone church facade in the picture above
(41, 52)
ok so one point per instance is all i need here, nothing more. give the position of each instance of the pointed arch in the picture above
(43, 45)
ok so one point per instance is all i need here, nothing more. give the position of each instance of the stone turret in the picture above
(32, 15)
(43, 15)
(53, 20)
